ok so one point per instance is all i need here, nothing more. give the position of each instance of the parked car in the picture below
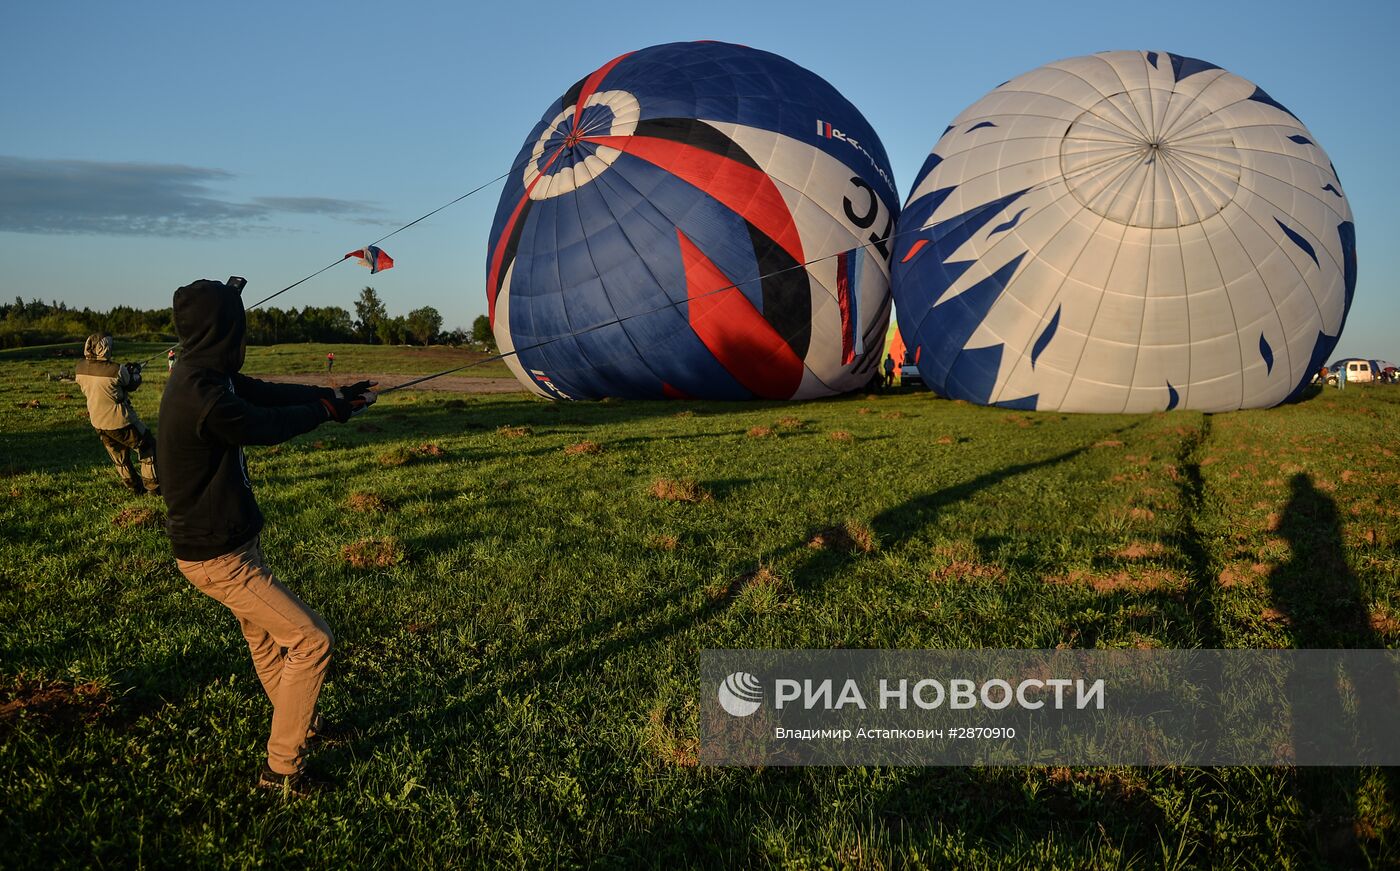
(1358, 371)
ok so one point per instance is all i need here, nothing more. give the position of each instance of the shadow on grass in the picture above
(1325, 607)
(734, 800)
(986, 806)
(1190, 543)
(60, 449)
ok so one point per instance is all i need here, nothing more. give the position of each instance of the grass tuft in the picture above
(365, 502)
(137, 516)
(667, 742)
(1141, 550)
(679, 490)
(967, 571)
(851, 536)
(762, 580)
(1384, 624)
(373, 553)
(1143, 580)
(402, 455)
(51, 703)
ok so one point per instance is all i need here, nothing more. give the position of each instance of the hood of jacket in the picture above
(211, 326)
(98, 347)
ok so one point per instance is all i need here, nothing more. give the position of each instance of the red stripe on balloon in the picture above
(738, 336)
(914, 249)
(745, 190)
(591, 84)
(493, 276)
(671, 392)
(843, 298)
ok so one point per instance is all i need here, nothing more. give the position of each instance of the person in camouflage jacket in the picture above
(107, 386)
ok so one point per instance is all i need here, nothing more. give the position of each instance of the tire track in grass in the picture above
(1190, 541)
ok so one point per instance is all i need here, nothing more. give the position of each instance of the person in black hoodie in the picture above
(208, 413)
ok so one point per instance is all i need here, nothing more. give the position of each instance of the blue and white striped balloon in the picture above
(1127, 231)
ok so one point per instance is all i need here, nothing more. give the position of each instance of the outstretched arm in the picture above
(269, 393)
(236, 421)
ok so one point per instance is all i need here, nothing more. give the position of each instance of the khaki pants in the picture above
(290, 643)
(119, 442)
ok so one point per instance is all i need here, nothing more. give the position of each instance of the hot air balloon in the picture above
(1127, 231)
(694, 220)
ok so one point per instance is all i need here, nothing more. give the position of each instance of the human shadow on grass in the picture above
(1324, 606)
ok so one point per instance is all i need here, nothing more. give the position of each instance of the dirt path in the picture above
(447, 383)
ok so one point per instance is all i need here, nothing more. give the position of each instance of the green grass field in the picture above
(307, 358)
(518, 653)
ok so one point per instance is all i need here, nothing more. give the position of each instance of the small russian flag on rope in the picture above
(374, 258)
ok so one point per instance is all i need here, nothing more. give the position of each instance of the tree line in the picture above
(40, 323)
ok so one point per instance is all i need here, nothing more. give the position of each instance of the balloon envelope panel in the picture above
(694, 220)
(1127, 231)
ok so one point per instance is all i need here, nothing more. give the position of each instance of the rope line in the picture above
(478, 189)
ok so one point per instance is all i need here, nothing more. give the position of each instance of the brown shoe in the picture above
(303, 783)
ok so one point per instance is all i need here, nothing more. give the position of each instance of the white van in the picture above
(1359, 371)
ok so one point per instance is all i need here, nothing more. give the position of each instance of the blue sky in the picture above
(148, 144)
